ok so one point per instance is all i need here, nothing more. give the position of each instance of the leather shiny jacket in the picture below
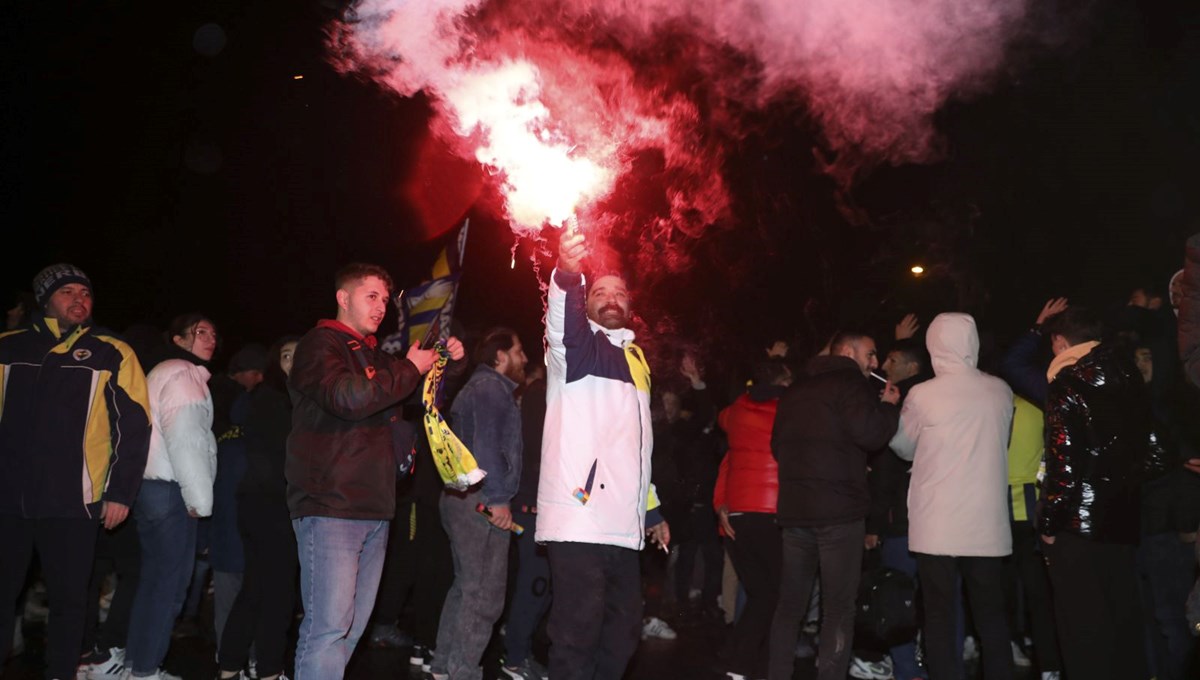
(1100, 447)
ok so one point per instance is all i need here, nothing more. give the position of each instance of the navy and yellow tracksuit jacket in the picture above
(74, 421)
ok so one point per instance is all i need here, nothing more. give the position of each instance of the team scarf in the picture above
(455, 464)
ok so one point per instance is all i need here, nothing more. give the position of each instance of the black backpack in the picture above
(887, 609)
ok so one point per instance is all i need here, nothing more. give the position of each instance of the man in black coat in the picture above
(1098, 453)
(826, 427)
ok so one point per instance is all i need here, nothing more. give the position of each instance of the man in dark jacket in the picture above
(907, 364)
(74, 436)
(824, 430)
(485, 416)
(1098, 446)
(342, 458)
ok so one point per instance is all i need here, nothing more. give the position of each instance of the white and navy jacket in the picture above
(595, 477)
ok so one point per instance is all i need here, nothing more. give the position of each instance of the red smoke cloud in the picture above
(561, 100)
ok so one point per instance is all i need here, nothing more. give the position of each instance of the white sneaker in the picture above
(970, 649)
(160, 674)
(871, 670)
(1019, 657)
(657, 628)
(108, 670)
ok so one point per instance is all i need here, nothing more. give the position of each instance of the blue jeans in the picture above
(341, 561)
(168, 541)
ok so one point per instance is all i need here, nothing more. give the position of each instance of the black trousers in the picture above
(983, 579)
(704, 542)
(757, 556)
(117, 552)
(596, 612)
(837, 551)
(432, 571)
(262, 613)
(1029, 591)
(66, 549)
(1098, 608)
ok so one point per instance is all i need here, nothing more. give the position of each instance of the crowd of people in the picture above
(1041, 499)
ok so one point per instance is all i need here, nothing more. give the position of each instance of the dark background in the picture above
(182, 181)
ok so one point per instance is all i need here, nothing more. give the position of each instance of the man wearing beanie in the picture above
(74, 434)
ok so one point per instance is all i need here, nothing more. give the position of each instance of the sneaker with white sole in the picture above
(1051, 675)
(655, 627)
(521, 671)
(109, 669)
(871, 670)
(970, 649)
(160, 674)
(1019, 656)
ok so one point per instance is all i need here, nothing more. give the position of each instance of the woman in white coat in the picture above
(177, 489)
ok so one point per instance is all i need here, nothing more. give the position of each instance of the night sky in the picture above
(220, 182)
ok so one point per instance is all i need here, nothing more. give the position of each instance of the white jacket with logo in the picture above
(597, 440)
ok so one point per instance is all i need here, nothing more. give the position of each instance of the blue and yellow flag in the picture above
(426, 310)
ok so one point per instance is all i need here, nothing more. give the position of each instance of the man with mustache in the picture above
(595, 501)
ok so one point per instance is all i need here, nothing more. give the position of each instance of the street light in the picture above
(917, 270)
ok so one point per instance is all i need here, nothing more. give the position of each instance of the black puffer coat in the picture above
(1099, 449)
(826, 427)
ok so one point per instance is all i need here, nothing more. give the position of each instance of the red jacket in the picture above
(748, 480)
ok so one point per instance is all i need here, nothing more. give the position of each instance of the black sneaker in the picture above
(419, 656)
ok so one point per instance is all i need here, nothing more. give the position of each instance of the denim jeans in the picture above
(168, 542)
(837, 551)
(476, 599)
(341, 561)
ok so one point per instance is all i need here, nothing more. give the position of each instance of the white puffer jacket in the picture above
(182, 446)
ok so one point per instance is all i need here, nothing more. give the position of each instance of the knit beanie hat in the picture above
(252, 357)
(54, 277)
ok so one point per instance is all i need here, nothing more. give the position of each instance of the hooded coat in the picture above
(955, 429)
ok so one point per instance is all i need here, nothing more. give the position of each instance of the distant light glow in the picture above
(917, 270)
(297, 77)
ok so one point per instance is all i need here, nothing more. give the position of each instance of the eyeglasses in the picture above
(205, 333)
